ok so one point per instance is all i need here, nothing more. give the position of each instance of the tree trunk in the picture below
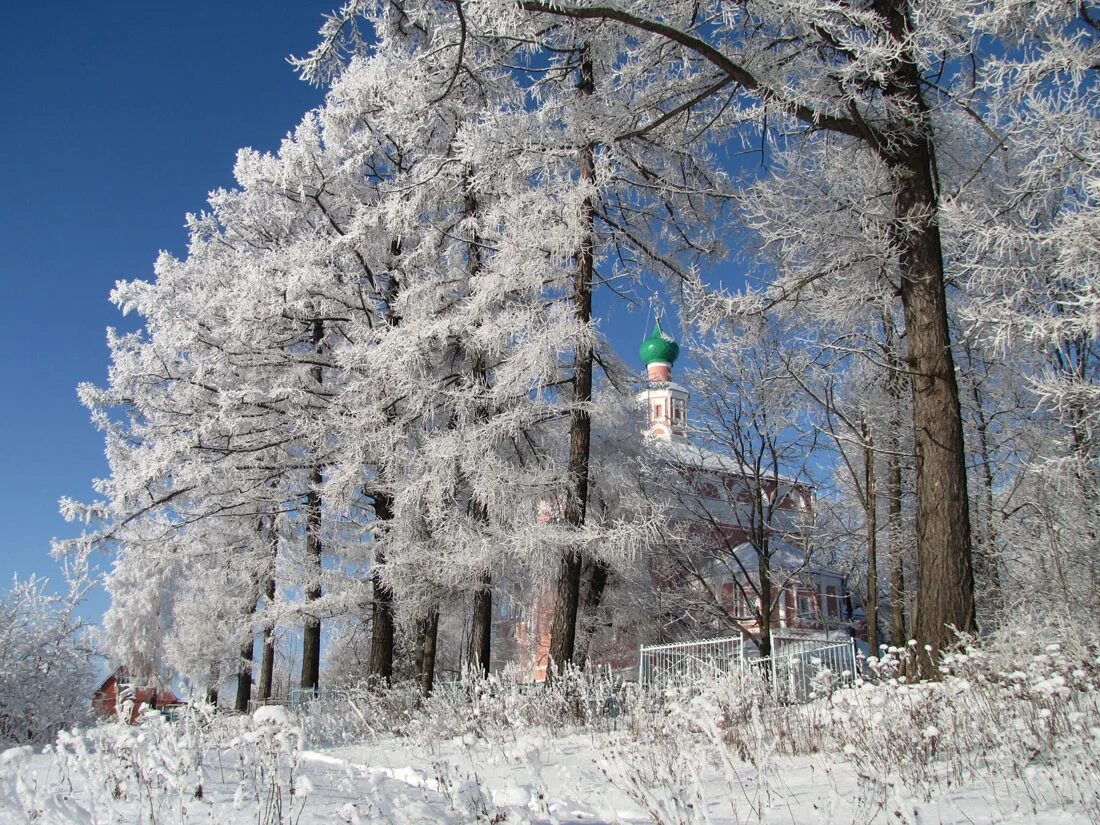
(267, 662)
(481, 632)
(311, 633)
(897, 557)
(382, 623)
(591, 609)
(563, 631)
(244, 678)
(945, 587)
(945, 593)
(870, 508)
(896, 384)
(427, 634)
(986, 561)
(765, 612)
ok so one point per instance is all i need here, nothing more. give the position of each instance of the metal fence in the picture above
(794, 670)
(793, 673)
(683, 663)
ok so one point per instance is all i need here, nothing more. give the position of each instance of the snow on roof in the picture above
(692, 455)
(664, 385)
(782, 556)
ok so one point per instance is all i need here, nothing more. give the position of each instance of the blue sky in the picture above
(118, 118)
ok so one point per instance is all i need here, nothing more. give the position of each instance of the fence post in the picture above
(855, 661)
(775, 677)
(641, 666)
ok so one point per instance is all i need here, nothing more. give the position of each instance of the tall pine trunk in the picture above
(870, 506)
(244, 677)
(896, 384)
(267, 661)
(481, 630)
(427, 634)
(563, 631)
(382, 621)
(986, 562)
(945, 592)
(590, 610)
(311, 633)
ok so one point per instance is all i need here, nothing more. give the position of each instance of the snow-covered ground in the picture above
(264, 773)
(1009, 734)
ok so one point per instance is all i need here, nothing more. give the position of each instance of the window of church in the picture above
(657, 411)
(805, 605)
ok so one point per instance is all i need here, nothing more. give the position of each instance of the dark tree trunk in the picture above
(597, 583)
(311, 633)
(896, 383)
(267, 661)
(563, 631)
(870, 492)
(244, 678)
(765, 607)
(986, 562)
(481, 631)
(898, 636)
(945, 592)
(382, 623)
(427, 634)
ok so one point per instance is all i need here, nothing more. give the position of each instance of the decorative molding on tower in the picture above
(665, 401)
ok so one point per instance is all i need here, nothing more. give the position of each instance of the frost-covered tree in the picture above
(46, 669)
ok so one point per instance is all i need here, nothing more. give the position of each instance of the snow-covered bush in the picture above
(1011, 707)
(46, 674)
(161, 771)
(495, 705)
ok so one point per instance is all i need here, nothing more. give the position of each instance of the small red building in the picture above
(122, 696)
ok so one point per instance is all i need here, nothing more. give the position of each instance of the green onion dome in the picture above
(659, 346)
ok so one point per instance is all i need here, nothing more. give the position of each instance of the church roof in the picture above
(783, 556)
(688, 454)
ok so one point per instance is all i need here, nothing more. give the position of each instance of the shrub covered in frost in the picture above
(46, 674)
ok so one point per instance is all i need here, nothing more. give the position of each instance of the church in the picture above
(740, 559)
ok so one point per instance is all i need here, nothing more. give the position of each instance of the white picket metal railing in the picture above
(791, 672)
(688, 662)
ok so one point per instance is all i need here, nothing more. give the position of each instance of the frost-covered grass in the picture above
(1011, 734)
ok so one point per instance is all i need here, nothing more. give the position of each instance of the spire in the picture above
(659, 352)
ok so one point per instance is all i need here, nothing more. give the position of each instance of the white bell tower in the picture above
(665, 401)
